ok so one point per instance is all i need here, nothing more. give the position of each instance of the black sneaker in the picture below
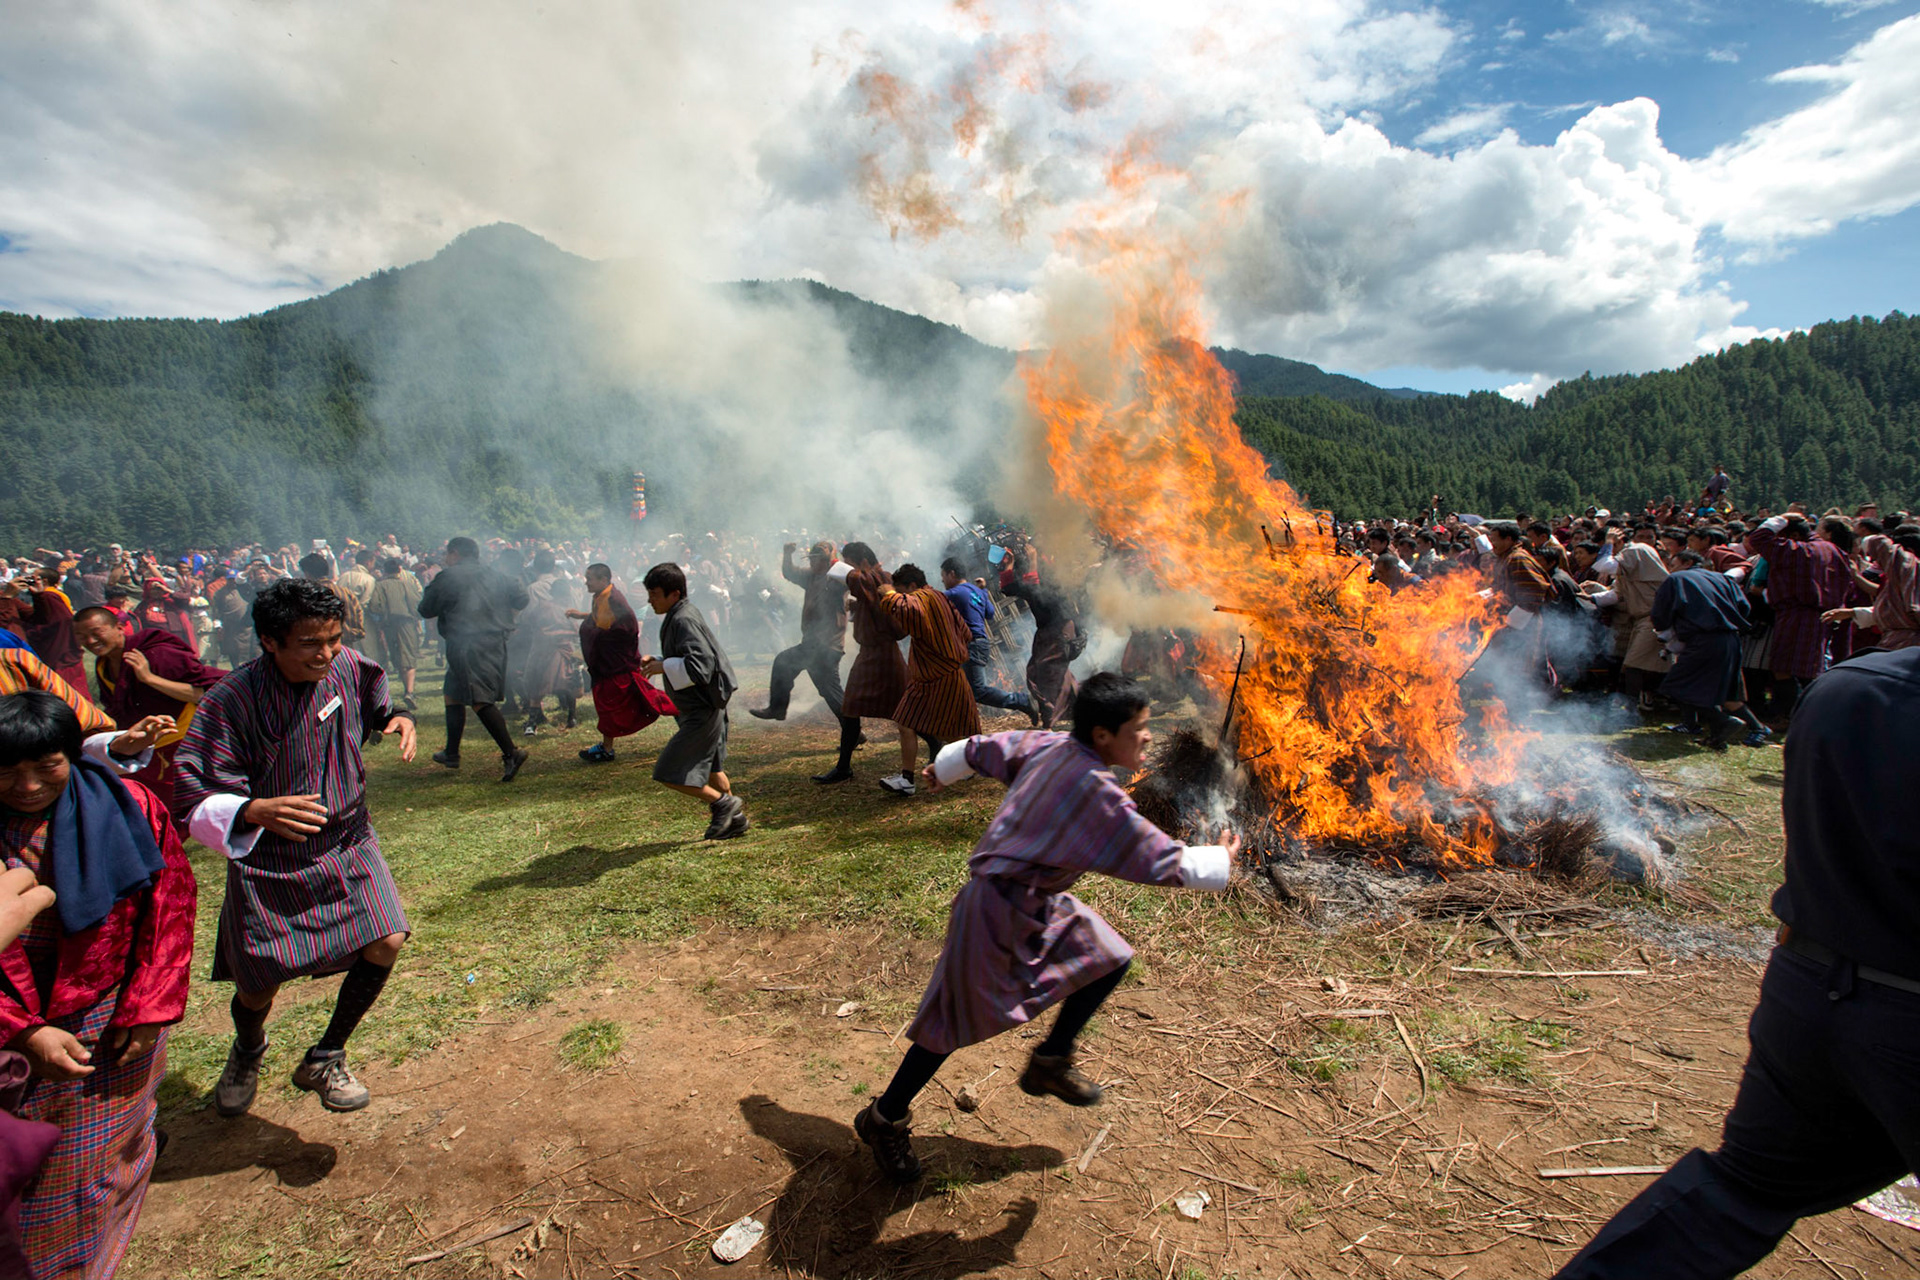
(727, 810)
(324, 1072)
(1049, 1076)
(512, 764)
(891, 1142)
(239, 1080)
(598, 754)
(451, 759)
(833, 775)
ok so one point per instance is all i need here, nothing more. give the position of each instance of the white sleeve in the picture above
(1482, 545)
(1205, 866)
(1863, 618)
(211, 823)
(1774, 524)
(1604, 598)
(675, 670)
(951, 766)
(97, 748)
(840, 571)
(1519, 619)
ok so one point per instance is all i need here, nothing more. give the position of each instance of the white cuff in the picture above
(1519, 619)
(1205, 866)
(211, 823)
(96, 748)
(1604, 598)
(1864, 618)
(840, 571)
(1774, 524)
(1482, 545)
(951, 766)
(675, 670)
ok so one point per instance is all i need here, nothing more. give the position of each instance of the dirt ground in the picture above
(738, 1078)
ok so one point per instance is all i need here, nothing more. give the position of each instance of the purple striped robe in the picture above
(1017, 941)
(1804, 580)
(294, 907)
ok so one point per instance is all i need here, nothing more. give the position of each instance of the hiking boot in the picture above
(239, 1080)
(324, 1072)
(512, 764)
(892, 1143)
(598, 754)
(833, 775)
(766, 713)
(531, 730)
(451, 759)
(1050, 1076)
(727, 810)
(898, 784)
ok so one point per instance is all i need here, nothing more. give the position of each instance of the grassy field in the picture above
(517, 891)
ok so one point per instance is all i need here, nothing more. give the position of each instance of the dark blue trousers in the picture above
(1828, 1111)
(979, 657)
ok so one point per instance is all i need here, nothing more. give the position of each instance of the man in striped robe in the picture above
(271, 775)
(1017, 941)
(938, 704)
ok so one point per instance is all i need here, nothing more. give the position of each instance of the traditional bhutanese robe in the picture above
(129, 699)
(938, 701)
(1056, 633)
(878, 678)
(1896, 610)
(1804, 580)
(293, 907)
(129, 970)
(551, 667)
(50, 632)
(1017, 941)
(1638, 577)
(21, 671)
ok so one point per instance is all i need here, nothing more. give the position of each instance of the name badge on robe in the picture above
(332, 706)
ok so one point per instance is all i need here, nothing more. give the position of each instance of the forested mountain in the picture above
(504, 386)
(1826, 416)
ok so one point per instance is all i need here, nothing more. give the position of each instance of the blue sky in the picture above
(1449, 196)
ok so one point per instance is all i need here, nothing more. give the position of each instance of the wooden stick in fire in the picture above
(1234, 693)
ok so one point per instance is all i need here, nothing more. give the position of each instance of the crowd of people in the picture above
(1724, 614)
(231, 698)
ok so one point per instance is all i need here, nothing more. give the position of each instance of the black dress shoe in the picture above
(513, 763)
(835, 774)
(766, 713)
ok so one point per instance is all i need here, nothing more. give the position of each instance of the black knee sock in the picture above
(1745, 716)
(249, 1025)
(849, 739)
(1075, 1010)
(933, 746)
(489, 715)
(357, 994)
(456, 727)
(915, 1070)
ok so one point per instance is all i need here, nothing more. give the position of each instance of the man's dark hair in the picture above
(1797, 528)
(601, 569)
(1839, 531)
(1673, 535)
(667, 578)
(1867, 525)
(1690, 559)
(367, 557)
(1548, 554)
(1908, 536)
(1591, 548)
(1428, 538)
(952, 566)
(465, 548)
(282, 605)
(315, 566)
(1540, 526)
(1106, 700)
(1502, 528)
(1379, 534)
(96, 611)
(908, 577)
(36, 724)
(391, 565)
(543, 562)
(858, 553)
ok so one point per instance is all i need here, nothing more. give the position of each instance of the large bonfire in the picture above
(1347, 709)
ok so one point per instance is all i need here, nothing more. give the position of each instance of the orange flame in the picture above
(1349, 705)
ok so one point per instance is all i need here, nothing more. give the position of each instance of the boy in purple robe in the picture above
(1017, 941)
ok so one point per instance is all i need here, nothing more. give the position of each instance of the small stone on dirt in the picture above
(967, 1099)
(847, 1010)
(737, 1241)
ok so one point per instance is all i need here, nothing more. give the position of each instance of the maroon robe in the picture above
(129, 700)
(50, 632)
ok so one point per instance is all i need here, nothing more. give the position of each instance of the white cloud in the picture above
(1723, 55)
(1854, 153)
(1530, 390)
(1473, 122)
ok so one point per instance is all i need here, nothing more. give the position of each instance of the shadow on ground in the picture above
(202, 1144)
(572, 868)
(828, 1220)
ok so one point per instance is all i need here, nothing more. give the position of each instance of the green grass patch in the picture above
(593, 1045)
(1470, 1046)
